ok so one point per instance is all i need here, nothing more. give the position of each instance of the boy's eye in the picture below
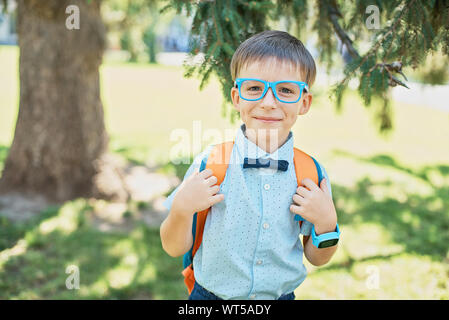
(286, 90)
(254, 88)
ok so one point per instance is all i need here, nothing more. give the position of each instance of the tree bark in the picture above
(60, 136)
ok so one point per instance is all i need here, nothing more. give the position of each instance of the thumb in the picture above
(194, 173)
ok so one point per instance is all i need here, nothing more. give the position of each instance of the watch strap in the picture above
(317, 240)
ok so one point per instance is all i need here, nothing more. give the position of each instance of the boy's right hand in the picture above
(197, 193)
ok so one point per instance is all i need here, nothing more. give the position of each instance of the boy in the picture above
(251, 247)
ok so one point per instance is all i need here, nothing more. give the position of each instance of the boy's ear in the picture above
(306, 102)
(235, 98)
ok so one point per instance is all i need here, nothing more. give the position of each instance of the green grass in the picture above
(391, 194)
(112, 265)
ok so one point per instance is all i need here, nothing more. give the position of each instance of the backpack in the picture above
(218, 161)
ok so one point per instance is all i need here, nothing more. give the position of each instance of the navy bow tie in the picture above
(281, 165)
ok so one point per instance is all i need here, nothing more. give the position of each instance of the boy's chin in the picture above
(259, 125)
(270, 128)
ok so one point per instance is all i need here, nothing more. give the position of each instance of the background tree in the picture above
(134, 21)
(149, 38)
(409, 31)
(60, 140)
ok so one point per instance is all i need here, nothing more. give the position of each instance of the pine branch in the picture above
(392, 31)
(214, 19)
(395, 66)
(334, 14)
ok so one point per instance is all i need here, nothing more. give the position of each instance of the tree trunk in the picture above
(60, 135)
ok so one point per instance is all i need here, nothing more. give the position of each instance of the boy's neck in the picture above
(267, 140)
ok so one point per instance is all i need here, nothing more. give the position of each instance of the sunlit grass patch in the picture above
(111, 265)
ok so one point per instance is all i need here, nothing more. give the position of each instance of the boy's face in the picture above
(268, 112)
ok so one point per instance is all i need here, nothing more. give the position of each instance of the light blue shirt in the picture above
(251, 247)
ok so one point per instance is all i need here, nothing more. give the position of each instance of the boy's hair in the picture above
(274, 44)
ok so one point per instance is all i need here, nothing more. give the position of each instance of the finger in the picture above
(216, 198)
(206, 173)
(297, 209)
(303, 192)
(309, 184)
(211, 180)
(297, 199)
(323, 186)
(214, 189)
(193, 175)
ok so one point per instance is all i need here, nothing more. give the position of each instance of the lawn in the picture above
(391, 194)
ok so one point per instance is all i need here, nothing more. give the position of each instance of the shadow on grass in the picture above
(112, 265)
(418, 221)
(134, 156)
(179, 168)
(11, 232)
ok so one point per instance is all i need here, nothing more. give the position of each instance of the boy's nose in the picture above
(269, 100)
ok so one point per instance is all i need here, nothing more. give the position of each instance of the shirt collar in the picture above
(248, 149)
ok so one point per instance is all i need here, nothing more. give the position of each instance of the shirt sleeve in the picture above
(195, 165)
(306, 227)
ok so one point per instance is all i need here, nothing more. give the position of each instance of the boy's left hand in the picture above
(315, 205)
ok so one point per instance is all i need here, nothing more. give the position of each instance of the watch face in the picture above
(328, 243)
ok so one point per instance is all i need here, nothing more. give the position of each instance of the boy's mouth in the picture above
(267, 119)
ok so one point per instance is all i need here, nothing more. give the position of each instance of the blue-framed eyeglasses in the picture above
(287, 91)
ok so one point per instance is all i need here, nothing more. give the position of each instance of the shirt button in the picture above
(266, 186)
(259, 262)
(266, 225)
(253, 296)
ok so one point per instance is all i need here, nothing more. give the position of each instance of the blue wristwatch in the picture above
(325, 240)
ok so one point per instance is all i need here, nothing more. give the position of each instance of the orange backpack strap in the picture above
(304, 168)
(218, 162)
